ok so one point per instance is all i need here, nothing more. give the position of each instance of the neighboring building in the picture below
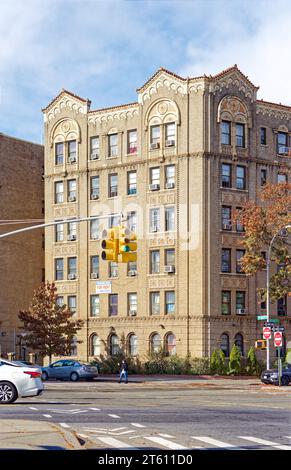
(21, 255)
(179, 160)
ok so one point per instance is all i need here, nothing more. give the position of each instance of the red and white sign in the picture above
(267, 333)
(278, 339)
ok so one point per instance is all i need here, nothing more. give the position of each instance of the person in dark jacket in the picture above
(123, 371)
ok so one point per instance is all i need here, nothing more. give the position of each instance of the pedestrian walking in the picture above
(123, 371)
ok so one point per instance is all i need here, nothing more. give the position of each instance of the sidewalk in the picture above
(35, 435)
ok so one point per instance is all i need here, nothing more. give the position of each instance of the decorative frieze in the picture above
(70, 288)
(113, 114)
(65, 250)
(63, 212)
(161, 199)
(162, 283)
(158, 241)
(233, 282)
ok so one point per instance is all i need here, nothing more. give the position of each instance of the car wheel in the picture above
(74, 377)
(285, 380)
(8, 393)
(44, 376)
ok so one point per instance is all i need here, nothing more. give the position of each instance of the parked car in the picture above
(70, 370)
(27, 363)
(271, 376)
(18, 381)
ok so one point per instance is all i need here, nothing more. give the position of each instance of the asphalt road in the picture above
(164, 415)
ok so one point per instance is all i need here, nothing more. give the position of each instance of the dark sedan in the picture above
(271, 376)
(69, 370)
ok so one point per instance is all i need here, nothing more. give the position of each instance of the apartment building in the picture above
(176, 164)
(21, 255)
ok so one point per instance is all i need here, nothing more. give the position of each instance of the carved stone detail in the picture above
(65, 250)
(166, 283)
(111, 115)
(161, 241)
(67, 288)
(63, 212)
(66, 102)
(161, 199)
(163, 80)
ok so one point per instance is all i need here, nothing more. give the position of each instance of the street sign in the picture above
(279, 328)
(269, 325)
(267, 332)
(278, 340)
(274, 320)
(262, 317)
(103, 287)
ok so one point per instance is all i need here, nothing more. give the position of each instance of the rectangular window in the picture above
(94, 187)
(94, 148)
(263, 136)
(59, 269)
(226, 218)
(72, 303)
(240, 301)
(59, 192)
(155, 220)
(132, 142)
(169, 219)
(113, 269)
(72, 268)
(226, 302)
(281, 178)
(239, 226)
(155, 176)
(132, 221)
(282, 307)
(239, 255)
(263, 176)
(240, 182)
(170, 301)
(155, 136)
(94, 267)
(72, 190)
(113, 145)
(155, 303)
(94, 229)
(59, 233)
(113, 221)
(170, 134)
(170, 176)
(60, 301)
(113, 305)
(132, 268)
(72, 231)
(59, 153)
(94, 306)
(155, 262)
(226, 132)
(131, 182)
(72, 151)
(170, 257)
(226, 260)
(226, 175)
(282, 143)
(240, 135)
(113, 185)
(132, 303)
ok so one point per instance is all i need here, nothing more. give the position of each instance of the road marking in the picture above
(95, 409)
(215, 442)
(64, 425)
(47, 416)
(114, 416)
(265, 443)
(167, 435)
(118, 429)
(31, 408)
(165, 443)
(110, 441)
(137, 425)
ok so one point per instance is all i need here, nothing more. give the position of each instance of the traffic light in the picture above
(110, 244)
(127, 245)
(261, 344)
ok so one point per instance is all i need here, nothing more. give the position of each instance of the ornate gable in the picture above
(66, 99)
(234, 77)
(162, 78)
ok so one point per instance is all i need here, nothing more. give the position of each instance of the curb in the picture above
(69, 436)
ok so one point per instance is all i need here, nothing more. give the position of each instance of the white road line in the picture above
(137, 425)
(214, 442)
(167, 435)
(64, 425)
(265, 442)
(165, 443)
(118, 429)
(110, 441)
(31, 408)
(95, 409)
(47, 416)
(114, 416)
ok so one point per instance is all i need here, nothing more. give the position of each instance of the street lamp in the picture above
(268, 260)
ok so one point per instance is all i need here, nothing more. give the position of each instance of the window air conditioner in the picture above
(132, 313)
(154, 187)
(226, 227)
(170, 143)
(72, 199)
(155, 145)
(72, 159)
(72, 237)
(132, 272)
(71, 277)
(94, 276)
(95, 236)
(94, 156)
(154, 229)
(169, 269)
(170, 185)
(241, 311)
(94, 196)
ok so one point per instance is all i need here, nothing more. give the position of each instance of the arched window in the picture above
(224, 344)
(95, 345)
(155, 343)
(74, 348)
(114, 345)
(132, 345)
(239, 342)
(170, 344)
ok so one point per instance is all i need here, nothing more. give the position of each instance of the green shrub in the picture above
(234, 366)
(252, 363)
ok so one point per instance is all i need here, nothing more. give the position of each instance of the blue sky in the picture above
(105, 49)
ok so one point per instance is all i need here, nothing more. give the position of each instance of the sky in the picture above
(105, 49)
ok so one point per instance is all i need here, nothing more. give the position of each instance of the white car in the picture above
(18, 381)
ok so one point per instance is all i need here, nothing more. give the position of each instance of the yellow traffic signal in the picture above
(110, 244)
(261, 344)
(127, 245)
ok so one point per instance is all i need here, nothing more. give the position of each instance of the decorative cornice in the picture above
(130, 110)
(274, 110)
(66, 99)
